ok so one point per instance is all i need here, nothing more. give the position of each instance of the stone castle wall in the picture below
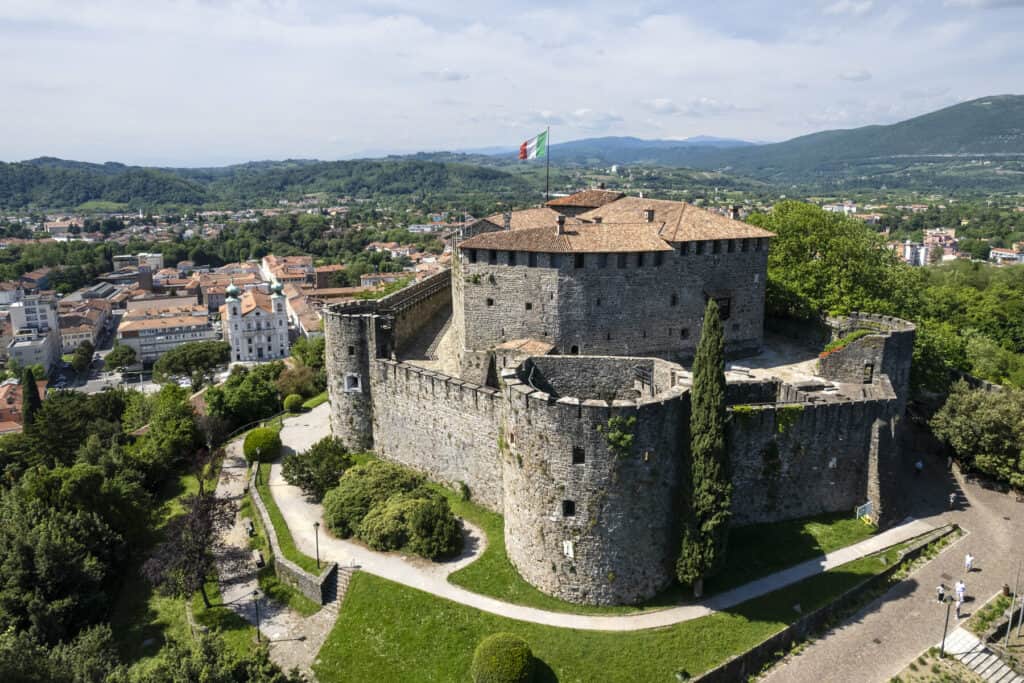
(792, 460)
(602, 308)
(888, 352)
(438, 425)
(584, 521)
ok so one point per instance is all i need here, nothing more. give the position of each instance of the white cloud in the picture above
(857, 76)
(985, 4)
(206, 82)
(854, 7)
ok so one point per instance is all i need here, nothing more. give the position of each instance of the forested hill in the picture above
(48, 183)
(987, 126)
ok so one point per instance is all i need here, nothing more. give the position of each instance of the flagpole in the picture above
(547, 159)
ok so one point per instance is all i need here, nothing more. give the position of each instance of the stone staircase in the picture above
(335, 590)
(973, 654)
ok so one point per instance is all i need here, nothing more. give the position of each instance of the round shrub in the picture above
(434, 530)
(502, 658)
(317, 470)
(262, 443)
(361, 488)
(293, 403)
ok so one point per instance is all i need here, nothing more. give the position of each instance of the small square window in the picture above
(472, 255)
(745, 245)
(684, 248)
(640, 259)
(351, 350)
(578, 456)
(673, 300)
(511, 258)
(352, 382)
(492, 257)
(716, 247)
(577, 261)
(730, 246)
(700, 247)
(684, 333)
(529, 305)
(531, 259)
(490, 302)
(621, 260)
(568, 508)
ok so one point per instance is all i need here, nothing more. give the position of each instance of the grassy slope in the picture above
(387, 631)
(315, 401)
(269, 583)
(143, 620)
(284, 535)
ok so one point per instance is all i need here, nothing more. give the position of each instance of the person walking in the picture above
(968, 563)
(940, 592)
(952, 500)
(961, 590)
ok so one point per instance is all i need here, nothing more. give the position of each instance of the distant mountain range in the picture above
(975, 146)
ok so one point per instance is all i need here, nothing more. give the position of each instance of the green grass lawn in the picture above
(754, 552)
(388, 631)
(284, 534)
(315, 401)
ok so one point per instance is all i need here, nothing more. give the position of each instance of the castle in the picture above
(562, 329)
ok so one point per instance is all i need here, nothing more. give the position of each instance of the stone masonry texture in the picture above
(588, 519)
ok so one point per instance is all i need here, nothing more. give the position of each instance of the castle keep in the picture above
(560, 330)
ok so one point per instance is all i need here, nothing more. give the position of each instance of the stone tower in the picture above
(349, 336)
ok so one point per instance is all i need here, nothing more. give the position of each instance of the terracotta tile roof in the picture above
(162, 322)
(527, 219)
(587, 198)
(577, 237)
(253, 299)
(682, 222)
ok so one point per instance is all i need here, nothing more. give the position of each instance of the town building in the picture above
(11, 417)
(255, 324)
(151, 332)
(916, 253)
(82, 321)
(297, 270)
(1005, 257)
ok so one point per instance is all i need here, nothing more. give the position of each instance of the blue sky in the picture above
(205, 82)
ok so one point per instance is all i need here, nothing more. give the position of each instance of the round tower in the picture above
(591, 491)
(348, 335)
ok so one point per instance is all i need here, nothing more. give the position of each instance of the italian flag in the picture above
(534, 147)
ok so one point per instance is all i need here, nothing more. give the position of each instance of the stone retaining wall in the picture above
(319, 589)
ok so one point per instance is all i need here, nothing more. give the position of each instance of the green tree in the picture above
(121, 356)
(708, 491)
(181, 564)
(826, 262)
(30, 401)
(310, 352)
(985, 430)
(82, 357)
(317, 470)
(196, 360)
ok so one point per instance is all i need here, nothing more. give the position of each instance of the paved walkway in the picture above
(879, 641)
(966, 647)
(294, 640)
(302, 431)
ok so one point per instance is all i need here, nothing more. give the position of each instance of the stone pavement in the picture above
(966, 647)
(879, 641)
(294, 640)
(302, 431)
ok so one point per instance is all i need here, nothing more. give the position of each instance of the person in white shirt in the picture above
(969, 563)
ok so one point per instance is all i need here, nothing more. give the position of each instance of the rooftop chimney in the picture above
(649, 215)
(734, 212)
(561, 224)
(508, 220)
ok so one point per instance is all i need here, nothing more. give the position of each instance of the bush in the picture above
(389, 508)
(502, 658)
(420, 521)
(317, 470)
(362, 487)
(293, 403)
(263, 444)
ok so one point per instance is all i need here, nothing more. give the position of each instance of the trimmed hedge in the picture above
(361, 488)
(319, 469)
(293, 403)
(502, 658)
(266, 441)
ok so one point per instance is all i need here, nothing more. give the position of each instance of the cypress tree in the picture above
(709, 490)
(30, 402)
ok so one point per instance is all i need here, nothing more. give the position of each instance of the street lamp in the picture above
(256, 603)
(316, 535)
(945, 627)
